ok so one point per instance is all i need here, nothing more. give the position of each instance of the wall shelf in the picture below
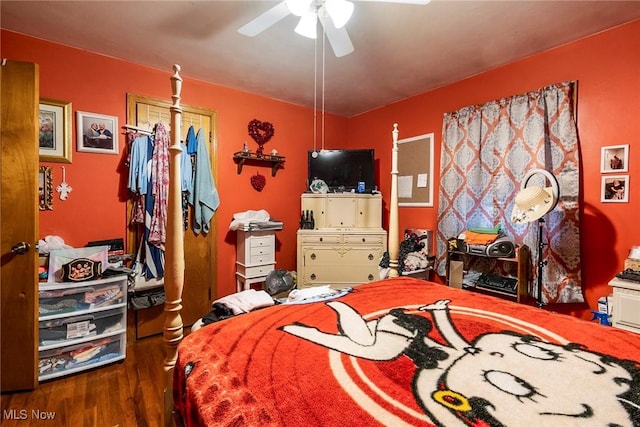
(241, 158)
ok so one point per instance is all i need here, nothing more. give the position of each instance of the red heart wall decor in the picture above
(261, 132)
(258, 181)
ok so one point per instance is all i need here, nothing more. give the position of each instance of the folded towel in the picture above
(246, 301)
(473, 238)
(301, 294)
(486, 230)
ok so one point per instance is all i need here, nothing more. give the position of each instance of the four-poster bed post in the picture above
(174, 245)
(174, 251)
(394, 244)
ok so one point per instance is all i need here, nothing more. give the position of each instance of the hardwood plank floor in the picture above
(126, 393)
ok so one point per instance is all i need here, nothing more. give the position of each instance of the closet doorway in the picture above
(200, 252)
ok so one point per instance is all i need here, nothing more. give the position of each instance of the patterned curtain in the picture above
(486, 152)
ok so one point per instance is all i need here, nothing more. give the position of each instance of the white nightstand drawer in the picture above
(262, 241)
(255, 271)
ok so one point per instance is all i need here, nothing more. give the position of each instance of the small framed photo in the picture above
(97, 133)
(54, 140)
(615, 189)
(614, 158)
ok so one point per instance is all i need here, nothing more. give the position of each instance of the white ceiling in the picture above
(400, 50)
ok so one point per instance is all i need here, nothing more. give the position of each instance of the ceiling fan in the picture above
(332, 14)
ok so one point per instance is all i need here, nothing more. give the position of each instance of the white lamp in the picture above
(533, 203)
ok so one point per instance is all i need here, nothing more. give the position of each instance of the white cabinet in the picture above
(255, 256)
(344, 211)
(626, 304)
(347, 244)
(81, 325)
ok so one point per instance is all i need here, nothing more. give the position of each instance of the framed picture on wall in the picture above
(54, 142)
(615, 188)
(614, 158)
(45, 188)
(97, 133)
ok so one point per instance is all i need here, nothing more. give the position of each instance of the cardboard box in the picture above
(456, 273)
(632, 264)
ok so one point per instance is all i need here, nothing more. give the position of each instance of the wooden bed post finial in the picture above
(394, 243)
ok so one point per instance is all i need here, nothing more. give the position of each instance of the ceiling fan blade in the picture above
(338, 37)
(266, 20)
(399, 1)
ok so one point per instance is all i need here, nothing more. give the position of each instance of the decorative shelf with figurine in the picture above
(276, 161)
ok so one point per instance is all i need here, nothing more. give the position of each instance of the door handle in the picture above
(20, 248)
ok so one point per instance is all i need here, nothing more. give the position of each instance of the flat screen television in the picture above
(342, 170)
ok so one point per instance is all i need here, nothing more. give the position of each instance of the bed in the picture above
(399, 351)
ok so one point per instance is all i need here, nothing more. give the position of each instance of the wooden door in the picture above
(199, 250)
(19, 226)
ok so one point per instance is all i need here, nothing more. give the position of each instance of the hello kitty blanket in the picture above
(408, 352)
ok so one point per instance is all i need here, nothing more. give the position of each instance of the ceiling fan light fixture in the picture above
(307, 26)
(340, 11)
(298, 7)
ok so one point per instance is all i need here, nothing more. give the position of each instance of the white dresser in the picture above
(255, 256)
(626, 304)
(347, 243)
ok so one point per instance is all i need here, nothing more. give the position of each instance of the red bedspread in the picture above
(408, 352)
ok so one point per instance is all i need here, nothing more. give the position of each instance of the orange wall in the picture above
(607, 68)
(96, 210)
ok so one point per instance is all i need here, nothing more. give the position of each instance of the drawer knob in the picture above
(370, 257)
(364, 239)
(312, 256)
(313, 276)
(370, 277)
(322, 239)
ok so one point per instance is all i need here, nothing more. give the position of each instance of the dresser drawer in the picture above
(57, 331)
(73, 358)
(262, 241)
(261, 255)
(364, 239)
(319, 238)
(337, 277)
(62, 301)
(255, 271)
(341, 258)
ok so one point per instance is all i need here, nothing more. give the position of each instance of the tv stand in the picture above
(346, 245)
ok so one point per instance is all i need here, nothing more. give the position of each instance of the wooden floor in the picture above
(126, 393)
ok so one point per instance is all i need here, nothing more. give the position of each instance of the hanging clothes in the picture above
(204, 199)
(192, 142)
(138, 176)
(150, 258)
(186, 179)
(159, 187)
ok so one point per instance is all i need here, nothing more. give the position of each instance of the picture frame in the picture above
(96, 133)
(415, 171)
(615, 189)
(45, 188)
(54, 142)
(614, 159)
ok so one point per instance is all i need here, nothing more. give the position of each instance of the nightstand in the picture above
(626, 304)
(255, 256)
